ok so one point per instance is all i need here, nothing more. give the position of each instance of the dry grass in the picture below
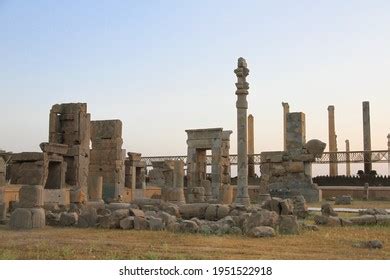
(73, 243)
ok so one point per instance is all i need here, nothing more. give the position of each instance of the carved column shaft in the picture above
(367, 137)
(242, 196)
(332, 142)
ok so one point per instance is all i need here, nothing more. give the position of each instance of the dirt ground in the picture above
(74, 243)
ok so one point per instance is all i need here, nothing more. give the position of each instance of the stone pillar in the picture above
(367, 137)
(286, 110)
(216, 168)
(95, 188)
(3, 168)
(242, 85)
(388, 154)
(296, 132)
(348, 159)
(173, 172)
(251, 147)
(332, 142)
(30, 213)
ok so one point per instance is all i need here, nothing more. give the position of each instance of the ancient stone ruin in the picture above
(200, 189)
(135, 175)
(69, 124)
(169, 175)
(288, 173)
(83, 178)
(107, 158)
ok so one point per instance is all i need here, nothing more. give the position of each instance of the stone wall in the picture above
(135, 171)
(199, 141)
(69, 124)
(289, 173)
(169, 175)
(107, 157)
(27, 168)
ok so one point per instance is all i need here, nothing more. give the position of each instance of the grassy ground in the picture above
(73, 243)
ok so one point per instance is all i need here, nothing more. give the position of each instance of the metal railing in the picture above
(327, 157)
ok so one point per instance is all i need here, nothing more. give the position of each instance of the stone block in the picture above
(273, 204)
(189, 226)
(147, 201)
(95, 188)
(363, 220)
(95, 204)
(261, 231)
(106, 129)
(300, 207)
(171, 209)
(77, 196)
(327, 210)
(38, 218)
(194, 210)
(134, 156)
(58, 196)
(196, 195)
(327, 220)
(68, 219)
(31, 196)
(105, 156)
(3, 211)
(167, 218)
(288, 224)
(54, 148)
(127, 223)
(27, 156)
(140, 223)
(117, 216)
(172, 194)
(107, 144)
(295, 167)
(215, 212)
(136, 213)
(106, 221)
(383, 220)
(296, 131)
(373, 211)
(156, 223)
(315, 147)
(52, 219)
(286, 207)
(261, 218)
(343, 200)
(87, 218)
(226, 194)
(21, 218)
(27, 173)
(278, 169)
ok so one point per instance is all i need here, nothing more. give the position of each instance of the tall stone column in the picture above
(332, 142)
(242, 71)
(388, 154)
(286, 110)
(367, 137)
(348, 159)
(251, 147)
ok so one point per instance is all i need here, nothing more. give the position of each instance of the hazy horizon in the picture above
(165, 66)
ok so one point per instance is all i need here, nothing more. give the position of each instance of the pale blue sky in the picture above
(166, 66)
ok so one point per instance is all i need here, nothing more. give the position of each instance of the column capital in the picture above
(242, 72)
